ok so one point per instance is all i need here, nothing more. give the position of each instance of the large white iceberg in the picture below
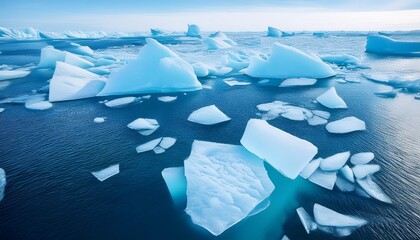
(346, 125)
(285, 152)
(177, 184)
(334, 162)
(2, 183)
(224, 184)
(208, 115)
(71, 82)
(12, 74)
(106, 173)
(156, 69)
(273, 32)
(193, 30)
(380, 44)
(330, 99)
(144, 126)
(288, 62)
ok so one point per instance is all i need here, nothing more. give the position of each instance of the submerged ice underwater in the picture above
(199, 135)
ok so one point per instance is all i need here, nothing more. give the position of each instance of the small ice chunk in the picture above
(346, 125)
(1, 110)
(387, 94)
(208, 115)
(285, 152)
(327, 217)
(306, 220)
(323, 114)
(344, 185)
(285, 238)
(232, 82)
(193, 30)
(297, 82)
(341, 81)
(146, 97)
(315, 120)
(2, 183)
(324, 179)
(99, 120)
(334, 162)
(310, 168)
(384, 45)
(361, 171)
(167, 98)
(167, 142)
(177, 184)
(120, 102)
(362, 158)
(373, 189)
(37, 102)
(12, 74)
(330, 99)
(145, 126)
(148, 146)
(202, 69)
(347, 173)
(158, 150)
(106, 173)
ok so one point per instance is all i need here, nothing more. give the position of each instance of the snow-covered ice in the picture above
(120, 102)
(167, 98)
(362, 158)
(12, 74)
(371, 188)
(324, 179)
(106, 173)
(330, 99)
(145, 126)
(208, 115)
(298, 82)
(203, 70)
(177, 184)
(224, 184)
(99, 120)
(334, 162)
(310, 168)
(306, 220)
(362, 170)
(346, 125)
(285, 152)
(380, 44)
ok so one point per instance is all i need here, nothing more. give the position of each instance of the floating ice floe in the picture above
(276, 109)
(156, 69)
(285, 152)
(106, 173)
(177, 184)
(346, 125)
(208, 115)
(363, 170)
(224, 184)
(334, 162)
(218, 40)
(82, 50)
(306, 220)
(50, 56)
(156, 32)
(386, 46)
(1, 110)
(285, 238)
(298, 82)
(336, 223)
(144, 126)
(158, 145)
(371, 188)
(167, 98)
(120, 102)
(344, 185)
(37, 102)
(344, 59)
(240, 59)
(203, 70)
(362, 158)
(193, 30)
(387, 94)
(324, 179)
(2, 183)
(288, 62)
(310, 168)
(12, 74)
(347, 173)
(99, 120)
(232, 82)
(71, 83)
(330, 99)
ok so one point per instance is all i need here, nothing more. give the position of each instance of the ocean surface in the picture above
(48, 156)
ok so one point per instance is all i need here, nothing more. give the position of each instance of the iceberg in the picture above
(285, 152)
(306, 220)
(371, 188)
(50, 56)
(71, 83)
(203, 70)
(310, 168)
(218, 40)
(232, 82)
(346, 125)
(99, 120)
(12, 74)
(362, 158)
(120, 102)
(274, 32)
(167, 98)
(288, 62)
(330, 99)
(224, 184)
(383, 45)
(177, 184)
(2, 183)
(37, 102)
(82, 50)
(144, 126)
(156, 69)
(208, 115)
(106, 173)
(167, 142)
(156, 32)
(361, 171)
(298, 82)
(193, 30)
(347, 173)
(324, 179)
(334, 162)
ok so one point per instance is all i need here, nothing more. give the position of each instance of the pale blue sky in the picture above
(226, 15)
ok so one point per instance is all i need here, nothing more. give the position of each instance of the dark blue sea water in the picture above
(48, 155)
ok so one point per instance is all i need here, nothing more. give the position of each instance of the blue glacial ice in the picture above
(334, 162)
(145, 126)
(156, 32)
(70, 82)
(203, 70)
(208, 115)
(37, 102)
(362, 170)
(274, 32)
(383, 45)
(330, 99)
(288, 62)
(106, 173)
(2, 183)
(344, 185)
(240, 58)
(167, 98)
(193, 30)
(285, 152)
(177, 184)
(387, 94)
(224, 184)
(362, 158)
(156, 69)
(50, 56)
(346, 125)
(307, 221)
(12, 74)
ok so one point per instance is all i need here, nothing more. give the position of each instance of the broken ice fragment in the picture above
(1, 110)
(148, 146)
(330, 99)
(167, 98)
(347, 173)
(232, 82)
(362, 158)
(106, 173)
(327, 217)
(144, 126)
(208, 115)
(2, 183)
(344, 185)
(306, 220)
(99, 120)
(334, 162)
(362, 170)
(260, 207)
(297, 82)
(324, 179)
(346, 125)
(158, 150)
(177, 184)
(373, 189)
(387, 94)
(12, 74)
(167, 142)
(37, 102)
(310, 168)
(120, 102)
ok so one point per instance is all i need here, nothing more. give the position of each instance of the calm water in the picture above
(48, 155)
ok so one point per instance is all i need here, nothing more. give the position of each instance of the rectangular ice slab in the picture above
(285, 152)
(224, 184)
(106, 173)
